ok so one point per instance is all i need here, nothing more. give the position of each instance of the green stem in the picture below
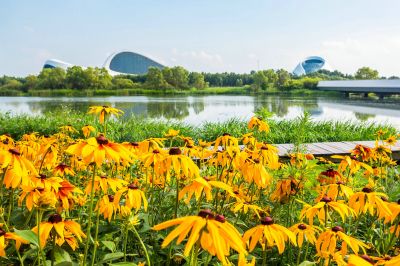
(126, 232)
(177, 198)
(264, 257)
(11, 204)
(39, 215)
(143, 246)
(53, 249)
(89, 225)
(96, 236)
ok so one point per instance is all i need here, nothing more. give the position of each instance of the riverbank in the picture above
(244, 90)
(301, 130)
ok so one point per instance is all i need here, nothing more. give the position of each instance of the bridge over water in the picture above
(381, 87)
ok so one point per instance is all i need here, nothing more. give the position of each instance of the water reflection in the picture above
(198, 109)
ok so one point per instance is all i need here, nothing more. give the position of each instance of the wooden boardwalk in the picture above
(327, 149)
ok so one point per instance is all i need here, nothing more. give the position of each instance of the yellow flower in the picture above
(303, 231)
(68, 128)
(254, 171)
(216, 235)
(171, 133)
(36, 197)
(105, 183)
(286, 188)
(61, 228)
(18, 168)
(104, 111)
(322, 208)
(226, 140)
(202, 185)
(98, 150)
(268, 234)
(258, 123)
(362, 260)
(108, 207)
(5, 237)
(369, 201)
(87, 130)
(133, 197)
(244, 206)
(327, 243)
(391, 141)
(335, 190)
(181, 164)
(63, 169)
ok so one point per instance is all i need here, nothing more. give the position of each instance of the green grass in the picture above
(138, 128)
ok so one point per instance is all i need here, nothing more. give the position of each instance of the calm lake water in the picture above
(198, 109)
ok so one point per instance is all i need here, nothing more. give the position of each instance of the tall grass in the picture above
(135, 128)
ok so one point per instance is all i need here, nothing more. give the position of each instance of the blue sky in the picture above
(214, 36)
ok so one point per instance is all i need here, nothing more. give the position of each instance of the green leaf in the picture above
(109, 244)
(110, 257)
(27, 235)
(60, 255)
(123, 264)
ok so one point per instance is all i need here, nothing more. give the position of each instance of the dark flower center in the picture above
(206, 214)
(103, 177)
(105, 106)
(42, 176)
(189, 146)
(55, 218)
(206, 178)
(384, 199)
(62, 166)
(264, 148)
(326, 199)
(40, 189)
(133, 186)
(102, 140)
(226, 134)
(256, 161)
(367, 258)
(366, 190)
(14, 151)
(110, 198)
(302, 226)
(135, 144)
(2, 232)
(329, 173)
(175, 151)
(339, 183)
(337, 229)
(220, 218)
(267, 220)
(156, 151)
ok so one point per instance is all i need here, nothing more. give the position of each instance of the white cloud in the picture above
(197, 60)
(378, 51)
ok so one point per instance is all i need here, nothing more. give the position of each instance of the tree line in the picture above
(173, 78)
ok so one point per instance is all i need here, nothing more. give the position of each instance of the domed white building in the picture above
(123, 62)
(309, 65)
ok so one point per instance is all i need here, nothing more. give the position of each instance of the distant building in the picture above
(124, 62)
(53, 63)
(129, 63)
(309, 65)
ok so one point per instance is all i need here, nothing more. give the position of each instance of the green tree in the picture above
(155, 79)
(31, 82)
(197, 80)
(122, 83)
(260, 81)
(366, 73)
(271, 76)
(52, 78)
(177, 77)
(77, 78)
(283, 78)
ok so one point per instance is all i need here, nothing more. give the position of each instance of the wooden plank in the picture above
(314, 148)
(337, 146)
(330, 150)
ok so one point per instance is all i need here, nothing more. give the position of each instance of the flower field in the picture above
(181, 201)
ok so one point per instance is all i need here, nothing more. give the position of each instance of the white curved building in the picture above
(53, 63)
(127, 62)
(123, 62)
(309, 65)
